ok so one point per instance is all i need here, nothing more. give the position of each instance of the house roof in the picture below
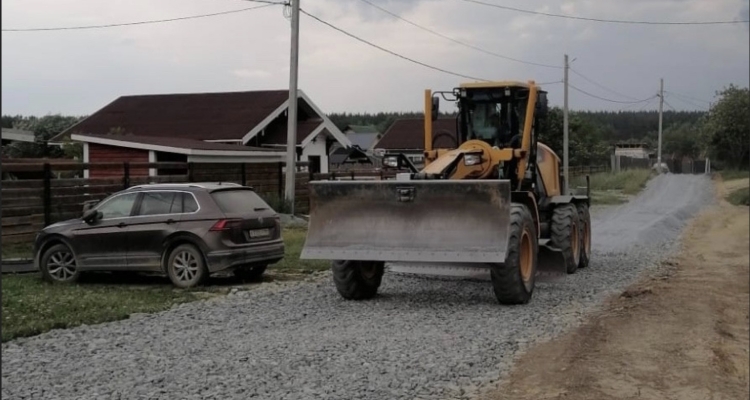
(17, 135)
(363, 140)
(408, 134)
(304, 129)
(201, 116)
(172, 145)
(341, 155)
(238, 116)
(362, 129)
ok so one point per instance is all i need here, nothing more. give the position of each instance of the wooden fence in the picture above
(28, 205)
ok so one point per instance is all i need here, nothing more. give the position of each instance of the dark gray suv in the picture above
(187, 231)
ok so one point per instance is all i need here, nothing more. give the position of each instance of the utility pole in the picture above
(565, 129)
(291, 136)
(661, 109)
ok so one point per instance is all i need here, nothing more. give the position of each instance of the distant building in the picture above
(407, 136)
(634, 150)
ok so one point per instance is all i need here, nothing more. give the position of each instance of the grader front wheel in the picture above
(357, 280)
(513, 281)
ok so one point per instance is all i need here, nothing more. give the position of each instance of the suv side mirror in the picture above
(90, 215)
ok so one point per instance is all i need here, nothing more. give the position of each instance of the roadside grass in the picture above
(16, 250)
(294, 240)
(739, 197)
(732, 174)
(614, 188)
(31, 306)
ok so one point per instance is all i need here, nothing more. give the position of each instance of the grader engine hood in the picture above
(409, 221)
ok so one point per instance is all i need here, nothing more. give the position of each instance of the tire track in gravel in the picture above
(421, 338)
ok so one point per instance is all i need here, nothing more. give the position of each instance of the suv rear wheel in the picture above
(185, 266)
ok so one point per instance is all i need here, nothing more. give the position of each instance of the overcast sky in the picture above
(80, 71)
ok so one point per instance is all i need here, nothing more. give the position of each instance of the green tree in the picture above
(44, 128)
(727, 128)
(682, 140)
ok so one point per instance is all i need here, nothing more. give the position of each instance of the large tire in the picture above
(247, 273)
(185, 266)
(59, 265)
(513, 281)
(566, 235)
(584, 217)
(357, 280)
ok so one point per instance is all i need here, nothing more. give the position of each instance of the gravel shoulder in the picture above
(421, 338)
(680, 333)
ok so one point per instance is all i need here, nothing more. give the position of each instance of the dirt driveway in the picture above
(680, 334)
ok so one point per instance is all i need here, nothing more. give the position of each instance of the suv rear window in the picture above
(238, 201)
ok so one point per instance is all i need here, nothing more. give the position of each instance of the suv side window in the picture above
(160, 203)
(189, 205)
(118, 206)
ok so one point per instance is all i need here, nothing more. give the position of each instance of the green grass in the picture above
(19, 250)
(32, 306)
(732, 174)
(740, 197)
(294, 239)
(614, 188)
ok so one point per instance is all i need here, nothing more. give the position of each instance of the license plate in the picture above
(256, 233)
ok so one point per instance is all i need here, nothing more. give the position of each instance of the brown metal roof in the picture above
(179, 143)
(408, 134)
(201, 116)
(276, 133)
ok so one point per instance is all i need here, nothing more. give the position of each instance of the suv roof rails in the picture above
(195, 185)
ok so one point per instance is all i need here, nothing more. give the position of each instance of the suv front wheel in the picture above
(185, 266)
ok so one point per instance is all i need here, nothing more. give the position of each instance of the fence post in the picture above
(47, 194)
(126, 175)
(242, 174)
(190, 171)
(280, 186)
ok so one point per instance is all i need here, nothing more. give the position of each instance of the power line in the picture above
(458, 41)
(669, 105)
(688, 102)
(601, 86)
(609, 100)
(155, 21)
(688, 97)
(613, 21)
(389, 51)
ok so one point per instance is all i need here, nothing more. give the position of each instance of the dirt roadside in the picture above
(679, 334)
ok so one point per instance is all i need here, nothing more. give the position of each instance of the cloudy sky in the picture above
(79, 71)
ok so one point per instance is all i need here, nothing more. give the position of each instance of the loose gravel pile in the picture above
(421, 338)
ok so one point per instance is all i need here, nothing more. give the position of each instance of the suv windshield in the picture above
(238, 201)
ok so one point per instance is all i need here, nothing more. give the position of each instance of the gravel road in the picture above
(421, 338)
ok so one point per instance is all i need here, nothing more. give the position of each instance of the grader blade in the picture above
(440, 221)
(550, 262)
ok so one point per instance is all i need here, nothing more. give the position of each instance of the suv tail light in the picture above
(225, 224)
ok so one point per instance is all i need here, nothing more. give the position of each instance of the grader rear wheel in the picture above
(585, 220)
(513, 281)
(566, 235)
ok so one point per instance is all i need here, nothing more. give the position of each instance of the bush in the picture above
(740, 197)
(280, 205)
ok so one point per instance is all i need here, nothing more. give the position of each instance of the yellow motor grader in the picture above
(494, 200)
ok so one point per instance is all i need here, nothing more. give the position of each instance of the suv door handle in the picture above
(170, 221)
(121, 225)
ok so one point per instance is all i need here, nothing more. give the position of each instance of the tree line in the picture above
(722, 133)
